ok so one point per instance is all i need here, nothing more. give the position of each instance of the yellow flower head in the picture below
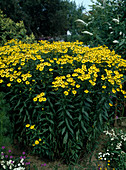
(36, 142)
(35, 99)
(74, 91)
(32, 127)
(27, 125)
(86, 91)
(66, 93)
(110, 104)
(40, 139)
(104, 87)
(9, 84)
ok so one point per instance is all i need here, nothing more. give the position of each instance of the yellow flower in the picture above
(33, 144)
(74, 91)
(108, 164)
(32, 127)
(66, 93)
(36, 142)
(27, 125)
(1, 81)
(113, 90)
(108, 160)
(104, 87)
(110, 104)
(18, 80)
(43, 142)
(77, 86)
(27, 82)
(9, 84)
(42, 108)
(50, 69)
(86, 91)
(35, 99)
(40, 99)
(40, 140)
(44, 99)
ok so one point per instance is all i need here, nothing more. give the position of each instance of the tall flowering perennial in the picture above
(63, 89)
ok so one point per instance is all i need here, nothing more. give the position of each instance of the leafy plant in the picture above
(66, 90)
(6, 127)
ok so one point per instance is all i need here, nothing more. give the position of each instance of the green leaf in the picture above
(17, 104)
(65, 138)
(68, 113)
(83, 127)
(80, 117)
(101, 101)
(89, 100)
(83, 111)
(69, 126)
(60, 123)
(63, 130)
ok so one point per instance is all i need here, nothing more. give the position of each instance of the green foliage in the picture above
(66, 90)
(5, 124)
(11, 30)
(106, 21)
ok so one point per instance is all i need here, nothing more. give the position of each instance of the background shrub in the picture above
(11, 30)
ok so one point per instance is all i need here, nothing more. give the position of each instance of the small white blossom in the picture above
(120, 33)
(115, 41)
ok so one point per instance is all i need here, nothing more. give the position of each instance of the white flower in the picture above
(111, 32)
(4, 167)
(112, 138)
(22, 160)
(2, 162)
(80, 20)
(19, 164)
(68, 32)
(110, 27)
(115, 41)
(86, 32)
(116, 20)
(120, 33)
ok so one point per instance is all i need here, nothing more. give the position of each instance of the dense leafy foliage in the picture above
(63, 91)
(11, 30)
(43, 17)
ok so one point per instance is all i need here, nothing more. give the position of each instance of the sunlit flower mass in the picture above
(76, 64)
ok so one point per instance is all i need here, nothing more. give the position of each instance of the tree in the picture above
(106, 25)
(43, 17)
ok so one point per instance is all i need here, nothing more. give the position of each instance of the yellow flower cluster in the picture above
(40, 97)
(86, 64)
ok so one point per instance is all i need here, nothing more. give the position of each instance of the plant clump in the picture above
(63, 91)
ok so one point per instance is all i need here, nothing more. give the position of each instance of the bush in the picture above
(63, 91)
(11, 30)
